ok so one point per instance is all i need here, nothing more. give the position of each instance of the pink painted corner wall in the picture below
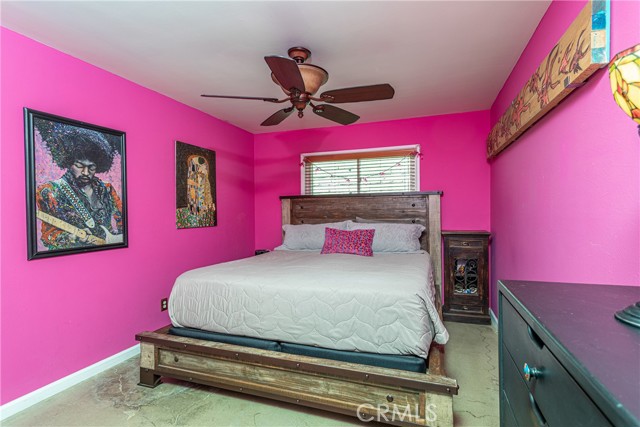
(61, 314)
(453, 161)
(565, 197)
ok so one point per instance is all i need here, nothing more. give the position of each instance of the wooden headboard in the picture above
(420, 208)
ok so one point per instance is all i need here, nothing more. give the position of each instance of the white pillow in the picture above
(307, 236)
(391, 237)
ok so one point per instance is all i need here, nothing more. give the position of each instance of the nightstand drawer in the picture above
(465, 243)
(472, 306)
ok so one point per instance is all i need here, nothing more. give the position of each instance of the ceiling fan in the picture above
(300, 82)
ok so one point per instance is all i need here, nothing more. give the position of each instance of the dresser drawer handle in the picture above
(534, 337)
(465, 243)
(536, 410)
(531, 372)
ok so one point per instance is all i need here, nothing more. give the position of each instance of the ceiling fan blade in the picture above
(359, 94)
(286, 72)
(241, 97)
(336, 114)
(277, 117)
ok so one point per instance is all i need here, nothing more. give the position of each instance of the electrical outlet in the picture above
(164, 302)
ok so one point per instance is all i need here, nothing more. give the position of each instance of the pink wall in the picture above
(453, 161)
(62, 314)
(565, 198)
(562, 202)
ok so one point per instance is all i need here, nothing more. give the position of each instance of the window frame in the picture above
(412, 147)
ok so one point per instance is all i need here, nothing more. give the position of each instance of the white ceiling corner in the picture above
(440, 56)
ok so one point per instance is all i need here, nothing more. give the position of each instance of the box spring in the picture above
(405, 363)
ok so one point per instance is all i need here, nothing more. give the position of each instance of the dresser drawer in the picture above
(518, 401)
(519, 339)
(561, 400)
(556, 385)
(506, 414)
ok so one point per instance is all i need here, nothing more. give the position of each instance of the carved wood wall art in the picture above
(582, 49)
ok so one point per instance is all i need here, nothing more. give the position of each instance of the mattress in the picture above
(381, 304)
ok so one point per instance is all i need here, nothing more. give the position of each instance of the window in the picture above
(386, 170)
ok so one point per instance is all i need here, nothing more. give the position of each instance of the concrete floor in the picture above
(112, 398)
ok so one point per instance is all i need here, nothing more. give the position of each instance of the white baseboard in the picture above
(494, 320)
(36, 396)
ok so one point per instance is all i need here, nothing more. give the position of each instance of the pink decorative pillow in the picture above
(357, 242)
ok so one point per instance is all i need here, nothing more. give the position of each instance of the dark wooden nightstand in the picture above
(466, 276)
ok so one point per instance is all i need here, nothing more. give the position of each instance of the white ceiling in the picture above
(440, 56)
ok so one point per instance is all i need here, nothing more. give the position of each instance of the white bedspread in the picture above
(380, 304)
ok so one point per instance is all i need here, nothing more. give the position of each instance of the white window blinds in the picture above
(382, 171)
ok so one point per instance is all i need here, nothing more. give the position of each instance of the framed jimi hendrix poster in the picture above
(76, 186)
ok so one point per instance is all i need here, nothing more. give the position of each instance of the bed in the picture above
(378, 304)
(266, 308)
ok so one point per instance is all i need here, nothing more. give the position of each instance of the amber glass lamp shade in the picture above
(312, 76)
(624, 72)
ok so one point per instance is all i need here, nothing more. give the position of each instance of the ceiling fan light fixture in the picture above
(300, 82)
(312, 75)
(299, 54)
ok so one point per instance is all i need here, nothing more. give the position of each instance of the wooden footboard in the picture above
(370, 393)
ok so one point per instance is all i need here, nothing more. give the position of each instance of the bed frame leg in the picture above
(148, 378)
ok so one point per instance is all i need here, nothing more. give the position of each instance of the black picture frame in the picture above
(76, 186)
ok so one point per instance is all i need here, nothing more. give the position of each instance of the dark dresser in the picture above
(564, 359)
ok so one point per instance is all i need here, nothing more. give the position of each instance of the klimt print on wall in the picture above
(583, 49)
(195, 186)
(76, 186)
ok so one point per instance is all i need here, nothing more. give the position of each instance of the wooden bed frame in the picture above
(371, 393)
